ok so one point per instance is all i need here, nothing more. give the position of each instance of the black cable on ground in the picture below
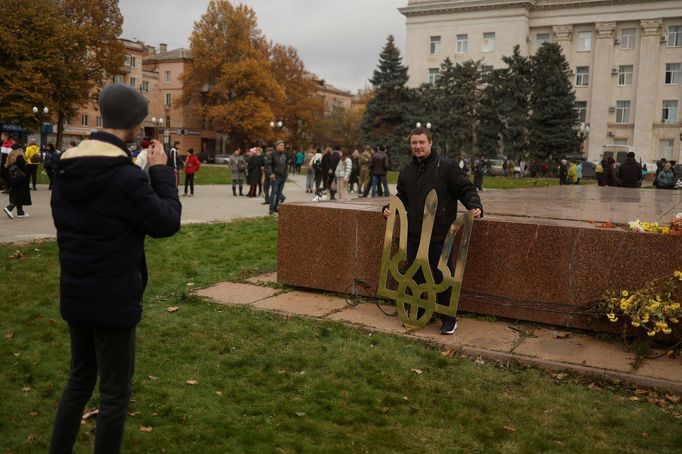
(353, 299)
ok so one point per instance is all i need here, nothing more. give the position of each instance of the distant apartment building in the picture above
(625, 57)
(333, 99)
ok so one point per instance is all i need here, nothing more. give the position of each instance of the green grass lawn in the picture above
(268, 383)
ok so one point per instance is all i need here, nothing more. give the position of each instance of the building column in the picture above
(600, 88)
(646, 108)
(563, 36)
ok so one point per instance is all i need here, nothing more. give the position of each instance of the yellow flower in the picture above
(635, 324)
(673, 320)
(667, 331)
(651, 333)
(612, 317)
(675, 306)
(624, 293)
(661, 325)
(658, 297)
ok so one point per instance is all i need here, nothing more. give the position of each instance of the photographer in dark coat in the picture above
(103, 206)
(425, 172)
(630, 172)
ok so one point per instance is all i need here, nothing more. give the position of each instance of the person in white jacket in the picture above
(342, 173)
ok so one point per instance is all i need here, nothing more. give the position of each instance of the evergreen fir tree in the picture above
(515, 109)
(387, 119)
(553, 121)
(490, 126)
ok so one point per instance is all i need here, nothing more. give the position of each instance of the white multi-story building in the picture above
(626, 58)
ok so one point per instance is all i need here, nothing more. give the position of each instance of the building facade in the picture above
(625, 56)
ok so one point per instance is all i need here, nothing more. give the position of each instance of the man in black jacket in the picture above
(630, 172)
(278, 175)
(379, 170)
(425, 172)
(103, 207)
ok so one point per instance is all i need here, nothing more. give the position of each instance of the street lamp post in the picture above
(157, 123)
(427, 125)
(39, 115)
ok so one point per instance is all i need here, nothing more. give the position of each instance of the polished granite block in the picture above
(537, 255)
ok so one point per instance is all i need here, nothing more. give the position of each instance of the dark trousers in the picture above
(435, 250)
(237, 181)
(109, 354)
(32, 174)
(189, 181)
(19, 207)
(276, 189)
(380, 181)
(50, 175)
(318, 180)
(266, 188)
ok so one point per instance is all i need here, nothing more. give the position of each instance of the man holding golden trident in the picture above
(423, 174)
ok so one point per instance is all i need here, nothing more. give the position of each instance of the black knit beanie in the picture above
(122, 106)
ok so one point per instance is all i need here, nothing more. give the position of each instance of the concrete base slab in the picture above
(471, 332)
(233, 293)
(270, 278)
(370, 316)
(302, 303)
(576, 349)
(664, 368)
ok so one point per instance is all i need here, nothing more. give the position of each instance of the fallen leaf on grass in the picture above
(31, 437)
(145, 428)
(173, 309)
(34, 413)
(645, 435)
(153, 378)
(563, 335)
(51, 322)
(90, 413)
(134, 414)
(385, 410)
(219, 393)
(417, 371)
(633, 399)
(190, 284)
(641, 392)
(651, 400)
(9, 335)
(509, 429)
(673, 399)
(479, 361)
(16, 355)
(406, 398)
(449, 353)
(561, 375)
(26, 389)
(16, 255)
(192, 382)
(300, 414)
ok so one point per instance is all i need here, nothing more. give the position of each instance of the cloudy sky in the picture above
(339, 40)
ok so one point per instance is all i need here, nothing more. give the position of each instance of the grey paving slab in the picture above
(269, 278)
(236, 294)
(302, 303)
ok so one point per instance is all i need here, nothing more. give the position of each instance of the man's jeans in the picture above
(109, 353)
(380, 179)
(276, 188)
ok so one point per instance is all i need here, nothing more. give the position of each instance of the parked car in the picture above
(221, 158)
(495, 168)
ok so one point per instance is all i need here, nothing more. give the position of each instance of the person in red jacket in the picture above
(192, 166)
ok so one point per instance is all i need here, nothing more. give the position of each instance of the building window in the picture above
(584, 41)
(488, 42)
(486, 72)
(625, 74)
(84, 120)
(462, 44)
(582, 77)
(672, 73)
(167, 100)
(627, 38)
(435, 45)
(118, 78)
(98, 121)
(620, 141)
(622, 111)
(433, 75)
(131, 61)
(675, 36)
(145, 86)
(669, 114)
(581, 110)
(168, 76)
(133, 82)
(665, 149)
(542, 38)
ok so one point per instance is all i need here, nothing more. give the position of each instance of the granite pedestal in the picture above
(537, 255)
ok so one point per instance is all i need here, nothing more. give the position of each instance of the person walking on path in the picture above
(342, 173)
(32, 154)
(253, 172)
(479, 172)
(238, 169)
(630, 172)
(354, 178)
(365, 160)
(278, 175)
(318, 169)
(309, 171)
(424, 173)
(192, 166)
(175, 161)
(267, 168)
(379, 171)
(17, 177)
(49, 162)
(103, 207)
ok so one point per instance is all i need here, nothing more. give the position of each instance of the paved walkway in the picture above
(546, 347)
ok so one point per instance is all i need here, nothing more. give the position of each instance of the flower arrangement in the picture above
(674, 228)
(653, 308)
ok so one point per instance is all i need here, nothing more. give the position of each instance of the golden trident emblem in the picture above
(410, 296)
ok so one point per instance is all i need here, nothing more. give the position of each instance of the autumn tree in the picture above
(230, 81)
(300, 109)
